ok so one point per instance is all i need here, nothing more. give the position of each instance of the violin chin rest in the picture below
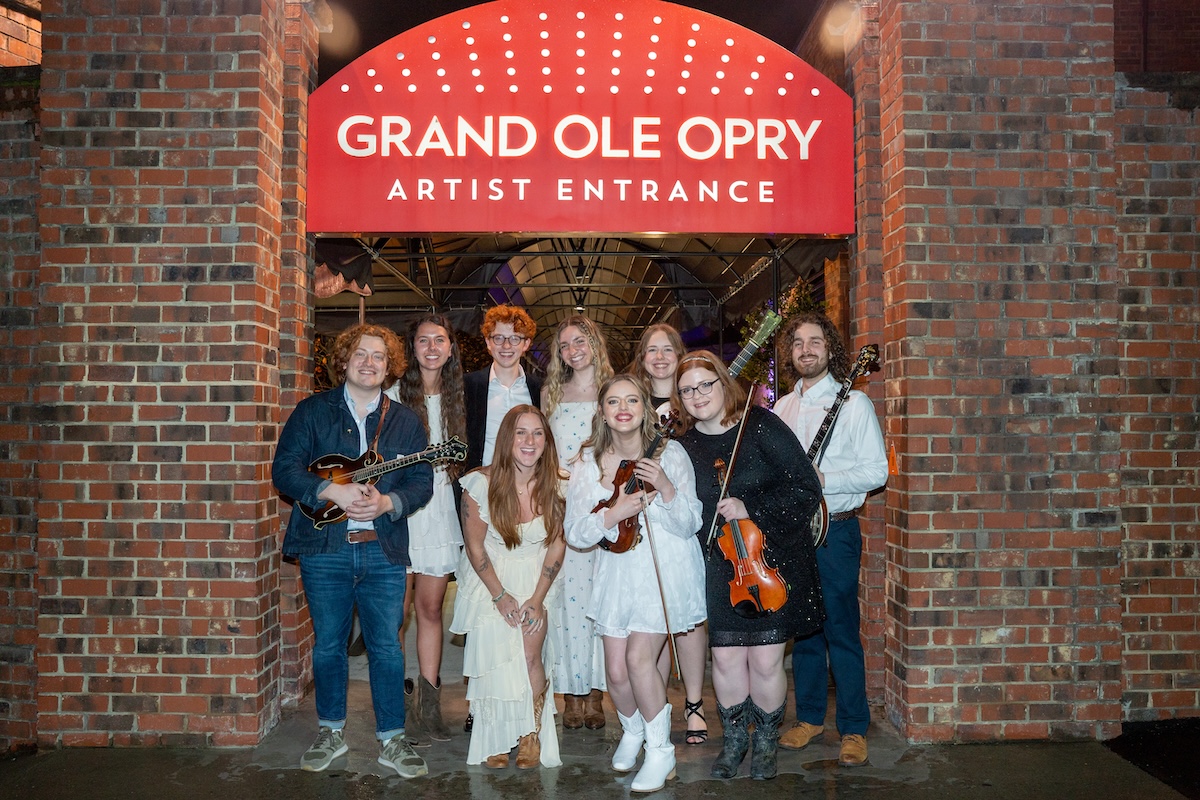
(748, 609)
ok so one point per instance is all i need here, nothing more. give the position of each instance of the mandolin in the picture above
(366, 469)
(867, 361)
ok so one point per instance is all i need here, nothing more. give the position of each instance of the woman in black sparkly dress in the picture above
(773, 484)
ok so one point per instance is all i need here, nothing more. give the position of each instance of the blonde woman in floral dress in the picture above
(569, 400)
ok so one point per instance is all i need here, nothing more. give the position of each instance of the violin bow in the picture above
(737, 446)
(662, 595)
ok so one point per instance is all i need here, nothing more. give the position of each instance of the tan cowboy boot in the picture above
(529, 748)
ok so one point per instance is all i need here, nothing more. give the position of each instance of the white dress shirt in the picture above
(854, 462)
(499, 400)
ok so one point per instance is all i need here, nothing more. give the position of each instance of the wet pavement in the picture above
(896, 770)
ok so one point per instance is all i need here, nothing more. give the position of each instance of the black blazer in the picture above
(475, 389)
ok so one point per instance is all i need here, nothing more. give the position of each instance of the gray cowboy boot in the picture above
(735, 738)
(764, 758)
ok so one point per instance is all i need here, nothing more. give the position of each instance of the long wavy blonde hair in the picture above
(601, 440)
(559, 374)
(545, 495)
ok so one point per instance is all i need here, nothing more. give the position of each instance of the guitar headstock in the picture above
(453, 449)
(766, 326)
(867, 361)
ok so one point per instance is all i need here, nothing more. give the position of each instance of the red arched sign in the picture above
(555, 116)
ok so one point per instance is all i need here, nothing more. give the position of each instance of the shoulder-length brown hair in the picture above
(558, 374)
(411, 388)
(601, 440)
(735, 395)
(545, 495)
(638, 365)
(347, 342)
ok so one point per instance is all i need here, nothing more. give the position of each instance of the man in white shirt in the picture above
(489, 393)
(853, 464)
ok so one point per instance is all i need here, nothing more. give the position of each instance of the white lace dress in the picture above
(580, 664)
(434, 532)
(498, 689)
(625, 595)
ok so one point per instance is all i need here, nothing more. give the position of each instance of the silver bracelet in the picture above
(499, 597)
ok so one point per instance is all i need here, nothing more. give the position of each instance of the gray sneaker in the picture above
(400, 756)
(329, 745)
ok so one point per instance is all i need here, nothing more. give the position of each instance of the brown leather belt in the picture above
(361, 537)
(842, 516)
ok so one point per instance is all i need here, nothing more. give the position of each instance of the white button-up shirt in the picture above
(357, 525)
(854, 462)
(499, 400)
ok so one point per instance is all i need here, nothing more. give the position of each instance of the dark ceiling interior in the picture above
(701, 284)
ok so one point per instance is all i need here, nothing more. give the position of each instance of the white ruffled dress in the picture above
(498, 689)
(625, 591)
(434, 532)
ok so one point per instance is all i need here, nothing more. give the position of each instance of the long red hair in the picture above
(545, 494)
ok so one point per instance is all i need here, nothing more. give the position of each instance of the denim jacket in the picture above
(323, 424)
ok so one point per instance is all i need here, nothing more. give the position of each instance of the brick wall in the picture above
(296, 317)
(1157, 35)
(1158, 153)
(1000, 309)
(20, 36)
(859, 75)
(162, 232)
(18, 432)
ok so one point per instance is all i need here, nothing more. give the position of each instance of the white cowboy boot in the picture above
(633, 733)
(659, 764)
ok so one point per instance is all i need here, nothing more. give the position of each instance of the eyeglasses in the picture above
(500, 340)
(704, 387)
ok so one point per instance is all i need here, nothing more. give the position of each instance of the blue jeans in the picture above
(358, 574)
(837, 646)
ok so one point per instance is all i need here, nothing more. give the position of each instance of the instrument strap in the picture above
(385, 404)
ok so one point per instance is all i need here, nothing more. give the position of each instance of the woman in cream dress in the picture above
(512, 526)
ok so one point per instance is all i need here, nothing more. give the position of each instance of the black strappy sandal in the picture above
(695, 709)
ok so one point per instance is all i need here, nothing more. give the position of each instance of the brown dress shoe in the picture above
(498, 761)
(854, 750)
(572, 711)
(593, 715)
(799, 736)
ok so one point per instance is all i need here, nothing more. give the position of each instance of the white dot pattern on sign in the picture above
(697, 44)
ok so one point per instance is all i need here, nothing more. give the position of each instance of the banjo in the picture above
(867, 361)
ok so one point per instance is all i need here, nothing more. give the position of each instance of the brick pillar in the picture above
(19, 150)
(296, 313)
(162, 230)
(1000, 304)
(1158, 148)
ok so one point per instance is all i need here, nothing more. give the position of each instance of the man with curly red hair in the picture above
(360, 559)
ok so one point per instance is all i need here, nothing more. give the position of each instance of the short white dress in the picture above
(625, 596)
(580, 664)
(498, 689)
(434, 532)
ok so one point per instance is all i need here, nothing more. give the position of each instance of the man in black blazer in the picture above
(490, 392)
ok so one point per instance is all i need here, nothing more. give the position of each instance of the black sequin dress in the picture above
(780, 489)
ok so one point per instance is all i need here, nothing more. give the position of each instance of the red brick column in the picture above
(1001, 312)
(162, 235)
(1158, 148)
(296, 314)
(19, 150)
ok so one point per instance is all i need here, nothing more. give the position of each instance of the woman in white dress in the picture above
(627, 602)
(432, 386)
(512, 516)
(569, 400)
(658, 354)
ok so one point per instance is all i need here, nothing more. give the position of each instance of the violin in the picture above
(757, 589)
(629, 530)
